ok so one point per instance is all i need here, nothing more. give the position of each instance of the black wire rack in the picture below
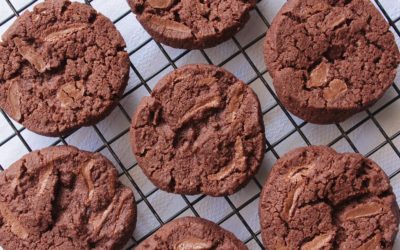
(297, 128)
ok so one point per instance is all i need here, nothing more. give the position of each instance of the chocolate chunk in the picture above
(193, 244)
(333, 20)
(235, 100)
(291, 202)
(14, 101)
(160, 4)
(169, 28)
(374, 243)
(70, 94)
(31, 55)
(319, 242)
(363, 210)
(60, 34)
(319, 76)
(201, 107)
(87, 176)
(15, 226)
(299, 173)
(335, 89)
(238, 162)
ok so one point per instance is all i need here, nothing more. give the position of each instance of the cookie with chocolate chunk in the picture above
(191, 233)
(201, 131)
(330, 59)
(62, 66)
(316, 198)
(192, 24)
(63, 198)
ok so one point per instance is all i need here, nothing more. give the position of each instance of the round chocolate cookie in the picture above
(201, 131)
(62, 66)
(63, 198)
(330, 59)
(192, 24)
(191, 233)
(316, 198)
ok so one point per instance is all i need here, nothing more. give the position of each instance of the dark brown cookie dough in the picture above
(201, 131)
(62, 66)
(192, 233)
(330, 59)
(192, 24)
(63, 198)
(316, 198)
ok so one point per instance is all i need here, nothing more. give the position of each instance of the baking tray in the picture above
(374, 133)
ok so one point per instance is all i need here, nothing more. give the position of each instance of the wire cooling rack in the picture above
(374, 133)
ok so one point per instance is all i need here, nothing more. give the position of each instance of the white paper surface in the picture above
(151, 64)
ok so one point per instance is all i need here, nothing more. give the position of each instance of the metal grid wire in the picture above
(237, 212)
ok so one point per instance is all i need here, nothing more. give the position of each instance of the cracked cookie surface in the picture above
(62, 66)
(201, 131)
(192, 24)
(330, 59)
(192, 233)
(63, 198)
(316, 198)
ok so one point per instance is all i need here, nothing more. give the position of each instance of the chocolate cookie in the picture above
(62, 66)
(192, 233)
(201, 131)
(192, 24)
(63, 198)
(330, 59)
(316, 198)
